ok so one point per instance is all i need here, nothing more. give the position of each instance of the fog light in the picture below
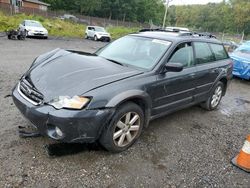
(59, 132)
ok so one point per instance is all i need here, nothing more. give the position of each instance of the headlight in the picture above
(76, 102)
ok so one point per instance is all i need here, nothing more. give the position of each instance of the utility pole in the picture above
(166, 12)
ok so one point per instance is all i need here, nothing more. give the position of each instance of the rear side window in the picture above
(219, 51)
(203, 53)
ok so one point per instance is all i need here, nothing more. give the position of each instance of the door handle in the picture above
(214, 70)
(192, 75)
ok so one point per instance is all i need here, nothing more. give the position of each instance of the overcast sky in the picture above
(188, 2)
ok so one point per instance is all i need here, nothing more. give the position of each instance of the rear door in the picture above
(91, 31)
(176, 89)
(207, 68)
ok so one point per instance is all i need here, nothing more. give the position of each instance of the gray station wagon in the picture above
(111, 95)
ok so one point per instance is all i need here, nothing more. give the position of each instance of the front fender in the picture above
(127, 95)
(132, 95)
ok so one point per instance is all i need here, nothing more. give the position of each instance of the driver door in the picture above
(174, 90)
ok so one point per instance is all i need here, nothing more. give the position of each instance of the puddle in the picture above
(62, 149)
(234, 106)
(240, 101)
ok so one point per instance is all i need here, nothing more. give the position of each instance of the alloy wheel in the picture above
(126, 129)
(216, 96)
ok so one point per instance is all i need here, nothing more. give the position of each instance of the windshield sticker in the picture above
(166, 43)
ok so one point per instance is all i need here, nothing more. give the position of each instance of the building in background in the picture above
(32, 4)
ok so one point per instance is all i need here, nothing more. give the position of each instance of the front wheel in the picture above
(214, 100)
(26, 33)
(95, 38)
(124, 128)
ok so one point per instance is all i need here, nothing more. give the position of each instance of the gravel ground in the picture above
(189, 148)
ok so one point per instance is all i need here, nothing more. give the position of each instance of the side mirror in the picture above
(173, 67)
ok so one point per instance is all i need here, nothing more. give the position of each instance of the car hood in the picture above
(242, 57)
(65, 73)
(35, 28)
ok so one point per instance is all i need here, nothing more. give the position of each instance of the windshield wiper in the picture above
(116, 62)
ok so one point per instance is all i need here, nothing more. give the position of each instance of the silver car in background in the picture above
(33, 28)
(97, 33)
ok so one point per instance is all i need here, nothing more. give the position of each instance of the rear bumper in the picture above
(76, 126)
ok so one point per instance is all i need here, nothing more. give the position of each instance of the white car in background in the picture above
(33, 28)
(97, 33)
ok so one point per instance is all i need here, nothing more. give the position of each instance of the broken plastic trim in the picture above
(27, 134)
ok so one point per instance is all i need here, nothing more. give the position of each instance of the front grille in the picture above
(30, 92)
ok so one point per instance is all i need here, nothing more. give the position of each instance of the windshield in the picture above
(135, 51)
(33, 24)
(100, 29)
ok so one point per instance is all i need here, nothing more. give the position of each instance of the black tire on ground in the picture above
(106, 139)
(95, 38)
(86, 36)
(26, 33)
(219, 86)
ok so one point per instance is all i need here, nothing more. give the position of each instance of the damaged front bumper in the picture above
(71, 126)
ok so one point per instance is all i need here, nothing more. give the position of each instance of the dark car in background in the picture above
(111, 95)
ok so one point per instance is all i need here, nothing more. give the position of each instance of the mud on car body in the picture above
(111, 95)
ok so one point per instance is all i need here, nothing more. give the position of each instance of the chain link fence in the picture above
(88, 20)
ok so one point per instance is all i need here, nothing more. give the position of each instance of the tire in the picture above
(95, 38)
(26, 33)
(214, 100)
(86, 36)
(126, 134)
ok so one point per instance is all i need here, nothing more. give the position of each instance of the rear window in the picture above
(219, 51)
(203, 53)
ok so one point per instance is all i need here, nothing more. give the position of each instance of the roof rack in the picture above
(181, 32)
(159, 29)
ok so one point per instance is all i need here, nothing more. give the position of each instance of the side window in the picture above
(219, 51)
(183, 53)
(203, 53)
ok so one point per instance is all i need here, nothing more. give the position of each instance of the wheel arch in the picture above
(224, 81)
(138, 97)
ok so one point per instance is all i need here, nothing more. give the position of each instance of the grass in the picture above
(57, 27)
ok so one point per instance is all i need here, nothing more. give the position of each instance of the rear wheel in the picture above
(214, 100)
(124, 128)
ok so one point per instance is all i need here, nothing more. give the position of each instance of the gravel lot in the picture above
(190, 148)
